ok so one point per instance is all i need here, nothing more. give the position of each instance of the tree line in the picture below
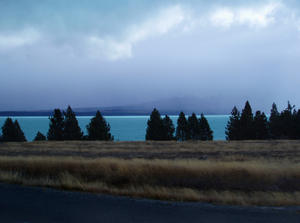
(280, 125)
(63, 126)
(193, 128)
(243, 125)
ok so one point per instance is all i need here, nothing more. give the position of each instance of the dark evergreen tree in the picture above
(12, 132)
(194, 127)
(86, 137)
(182, 130)
(71, 130)
(98, 129)
(168, 128)
(246, 122)
(294, 125)
(260, 125)
(155, 127)
(275, 123)
(205, 132)
(233, 127)
(20, 137)
(39, 137)
(56, 126)
(8, 131)
(297, 123)
(287, 122)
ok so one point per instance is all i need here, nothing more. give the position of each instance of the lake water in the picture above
(123, 128)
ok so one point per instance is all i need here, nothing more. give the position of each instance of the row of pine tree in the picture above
(159, 128)
(63, 126)
(280, 125)
(241, 126)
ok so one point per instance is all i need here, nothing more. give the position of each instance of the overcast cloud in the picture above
(95, 53)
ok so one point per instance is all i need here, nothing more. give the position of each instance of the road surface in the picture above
(21, 204)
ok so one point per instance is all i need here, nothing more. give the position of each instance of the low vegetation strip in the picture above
(229, 182)
(213, 150)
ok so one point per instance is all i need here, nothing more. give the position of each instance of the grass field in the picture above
(238, 173)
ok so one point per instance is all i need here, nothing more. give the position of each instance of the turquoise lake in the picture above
(123, 128)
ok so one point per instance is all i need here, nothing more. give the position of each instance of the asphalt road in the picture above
(30, 204)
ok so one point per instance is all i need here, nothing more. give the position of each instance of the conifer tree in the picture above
(233, 126)
(39, 137)
(246, 121)
(275, 123)
(294, 125)
(20, 137)
(155, 126)
(12, 132)
(205, 131)
(56, 126)
(8, 131)
(260, 124)
(194, 127)
(297, 123)
(182, 130)
(287, 122)
(98, 129)
(168, 128)
(71, 130)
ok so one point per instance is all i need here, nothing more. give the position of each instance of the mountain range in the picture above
(170, 106)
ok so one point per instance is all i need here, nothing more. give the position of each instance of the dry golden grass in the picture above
(216, 150)
(240, 173)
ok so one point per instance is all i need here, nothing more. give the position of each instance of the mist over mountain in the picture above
(171, 106)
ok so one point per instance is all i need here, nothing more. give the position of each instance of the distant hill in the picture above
(170, 106)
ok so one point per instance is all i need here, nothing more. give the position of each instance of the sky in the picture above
(92, 53)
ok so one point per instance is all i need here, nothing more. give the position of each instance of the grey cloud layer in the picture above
(110, 30)
(240, 49)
